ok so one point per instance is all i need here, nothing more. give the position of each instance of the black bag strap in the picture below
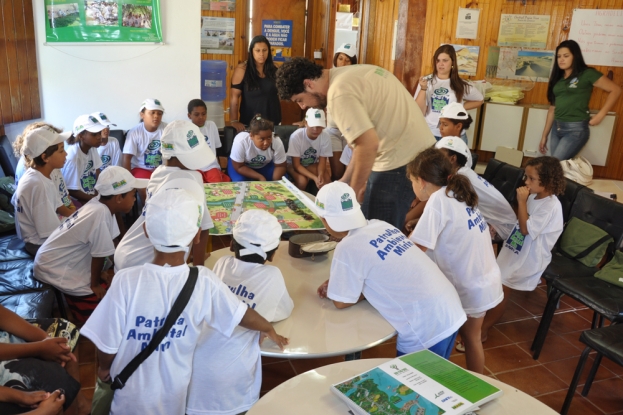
(589, 249)
(178, 306)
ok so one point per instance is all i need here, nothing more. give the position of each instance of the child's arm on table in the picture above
(322, 293)
(253, 321)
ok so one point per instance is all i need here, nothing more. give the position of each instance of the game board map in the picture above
(227, 201)
(420, 383)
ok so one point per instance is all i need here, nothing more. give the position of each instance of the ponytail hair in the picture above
(432, 166)
(259, 123)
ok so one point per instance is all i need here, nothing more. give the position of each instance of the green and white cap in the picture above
(115, 180)
(38, 140)
(258, 232)
(183, 139)
(151, 104)
(337, 203)
(347, 49)
(103, 119)
(87, 122)
(458, 145)
(315, 118)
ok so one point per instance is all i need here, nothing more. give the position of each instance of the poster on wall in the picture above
(217, 35)
(279, 34)
(103, 21)
(525, 64)
(467, 59)
(600, 35)
(524, 31)
(467, 23)
(222, 6)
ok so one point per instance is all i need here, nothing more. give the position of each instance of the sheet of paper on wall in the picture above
(492, 62)
(467, 59)
(525, 64)
(217, 35)
(600, 35)
(467, 23)
(524, 31)
(223, 6)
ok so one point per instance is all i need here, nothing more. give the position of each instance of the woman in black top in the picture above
(253, 89)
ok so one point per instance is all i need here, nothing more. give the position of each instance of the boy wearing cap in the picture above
(141, 150)
(184, 151)
(377, 262)
(345, 55)
(83, 161)
(232, 367)
(109, 151)
(140, 299)
(37, 201)
(494, 207)
(84, 240)
(309, 149)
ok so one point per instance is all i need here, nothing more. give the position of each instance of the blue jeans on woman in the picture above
(567, 138)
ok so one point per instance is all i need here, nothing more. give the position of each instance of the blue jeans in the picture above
(266, 171)
(388, 196)
(567, 138)
(443, 348)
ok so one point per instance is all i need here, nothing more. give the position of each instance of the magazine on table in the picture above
(420, 383)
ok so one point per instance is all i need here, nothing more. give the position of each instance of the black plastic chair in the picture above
(474, 160)
(572, 189)
(284, 132)
(8, 161)
(228, 140)
(120, 136)
(607, 341)
(504, 177)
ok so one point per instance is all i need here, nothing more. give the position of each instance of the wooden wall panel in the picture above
(380, 30)
(19, 84)
(441, 18)
(317, 38)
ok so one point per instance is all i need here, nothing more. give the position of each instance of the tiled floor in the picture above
(506, 353)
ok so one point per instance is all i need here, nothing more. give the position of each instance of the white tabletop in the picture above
(309, 393)
(316, 328)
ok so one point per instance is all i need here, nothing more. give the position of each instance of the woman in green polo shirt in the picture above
(569, 91)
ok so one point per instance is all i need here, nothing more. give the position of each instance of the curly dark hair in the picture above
(290, 76)
(433, 166)
(550, 173)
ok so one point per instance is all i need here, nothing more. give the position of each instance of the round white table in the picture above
(308, 393)
(316, 328)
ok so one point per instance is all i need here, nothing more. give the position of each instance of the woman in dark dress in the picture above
(253, 89)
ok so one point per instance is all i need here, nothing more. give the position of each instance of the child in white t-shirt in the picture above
(184, 151)
(257, 155)
(36, 199)
(454, 234)
(376, 262)
(309, 149)
(72, 258)
(141, 151)
(528, 250)
(197, 113)
(491, 203)
(56, 176)
(227, 373)
(109, 151)
(139, 300)
(83, 162)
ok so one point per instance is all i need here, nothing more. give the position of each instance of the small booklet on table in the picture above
(415, 384)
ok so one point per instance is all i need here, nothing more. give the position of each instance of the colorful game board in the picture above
(227, 201)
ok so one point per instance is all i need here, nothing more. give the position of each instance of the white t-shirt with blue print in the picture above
(80, 169)
(244, 151)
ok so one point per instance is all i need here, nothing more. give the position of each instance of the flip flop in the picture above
(460, 346)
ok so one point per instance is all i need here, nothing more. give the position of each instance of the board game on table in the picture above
(227, 201)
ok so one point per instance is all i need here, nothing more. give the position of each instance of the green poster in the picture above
(103, 21)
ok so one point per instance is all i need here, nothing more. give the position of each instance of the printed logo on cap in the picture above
(319, 204)
(317, 115)
(118, 184)
(347, 202)
(450, 142)
(80, 127)
(93, 119)
(167, 146)
(192, 139)
(103, 116)
(346, 46)
(157, 102)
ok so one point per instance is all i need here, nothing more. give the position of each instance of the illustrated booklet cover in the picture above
(420, 383)
(227, 201)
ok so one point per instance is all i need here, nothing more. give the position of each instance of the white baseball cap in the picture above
(258, 231)
(337, 203)
(172, 219)
(315, 118)
(103, 119)
(347, 49)
(115, 180)
(89, 123)
(38, 140)
(458, 145)
(454, 111)
(184, 140)
(151, 104)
